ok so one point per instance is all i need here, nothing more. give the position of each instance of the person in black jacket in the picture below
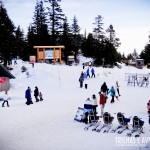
(81, 79)
(104, 88)
(36, 94)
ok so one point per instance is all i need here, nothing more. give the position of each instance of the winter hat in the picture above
(93, 96)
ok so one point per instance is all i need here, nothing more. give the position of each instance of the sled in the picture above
(79, 114)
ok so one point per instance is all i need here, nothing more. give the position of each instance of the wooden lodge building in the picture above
(49, 53)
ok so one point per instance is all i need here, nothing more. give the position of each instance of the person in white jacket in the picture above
(94, 102)
(117, 88)
(6, 98)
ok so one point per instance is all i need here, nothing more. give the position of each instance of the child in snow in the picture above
(41, 96)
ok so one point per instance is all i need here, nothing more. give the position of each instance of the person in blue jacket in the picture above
(93, 72)
(28, 96)
(88, 73)
(88, 108)
(112, 92)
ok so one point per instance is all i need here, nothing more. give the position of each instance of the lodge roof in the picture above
(60, 46)
(5, 72)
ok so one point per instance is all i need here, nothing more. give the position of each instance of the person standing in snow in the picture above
(36, 94)
(32, 62)
(102, 102)
(83, 66)
(148, 107)
(88, 73)
(93, 72)
(90, 64)
(117, 88)
(6, 98)
(94, 102)
(112, 93)
(82, 73)
(104, 88)
(81, 79)
(28, 96)
(88, 108)
(41, 96)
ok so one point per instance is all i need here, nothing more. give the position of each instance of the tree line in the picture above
(50, 26)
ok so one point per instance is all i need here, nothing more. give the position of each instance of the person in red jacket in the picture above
(102, 102)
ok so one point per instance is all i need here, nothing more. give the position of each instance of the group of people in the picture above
(86, 74)
(113, 91)
(38, 95)
(91, 104)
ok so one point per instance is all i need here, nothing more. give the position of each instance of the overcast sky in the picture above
(130, 18)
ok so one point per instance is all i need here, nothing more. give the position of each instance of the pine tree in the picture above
(31, 40)
(145, 54)
(19, 45)
(88, 46)
(66, 39)
(98, 30)
(6, 35)
(112, 36)
(39, 25)
(76, 37)
(56, 18)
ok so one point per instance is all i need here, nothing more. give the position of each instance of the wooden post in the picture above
(43, 54)
(60, 55)
(37, 54)
(54, 56)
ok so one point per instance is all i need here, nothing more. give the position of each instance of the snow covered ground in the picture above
(50, 125)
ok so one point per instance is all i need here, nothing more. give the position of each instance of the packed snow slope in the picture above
(49, 124)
